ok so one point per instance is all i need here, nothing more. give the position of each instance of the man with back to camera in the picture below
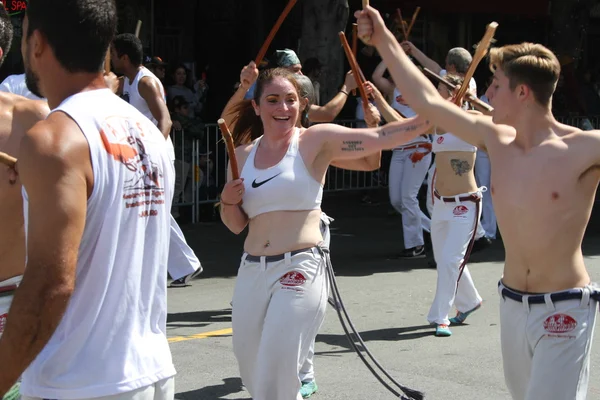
(144, 90)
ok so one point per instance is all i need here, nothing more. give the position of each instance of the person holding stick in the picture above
(281, 289)
(89, 317)
(407, 172)
(544, 180)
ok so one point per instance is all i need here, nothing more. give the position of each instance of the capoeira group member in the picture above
(314, 113)
(408, 169)
(281, 290)
(97, 187)
(544, 179)
(456, 210)
(143, 90)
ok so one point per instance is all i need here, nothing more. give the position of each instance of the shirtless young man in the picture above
(17, 116)
(544, 179)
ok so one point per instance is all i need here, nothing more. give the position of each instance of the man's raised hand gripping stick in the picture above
(419, 92)
(7, 160)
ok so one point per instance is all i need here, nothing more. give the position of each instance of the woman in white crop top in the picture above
(281, 290)
(456, 210)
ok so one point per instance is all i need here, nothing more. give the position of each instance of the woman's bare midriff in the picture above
(278, 232)
(454, 173)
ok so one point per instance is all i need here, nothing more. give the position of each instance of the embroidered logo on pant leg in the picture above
(559, 323)
(460, 210)
(3, 322)
(293, 278)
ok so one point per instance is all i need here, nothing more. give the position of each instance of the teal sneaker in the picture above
(442, 330)
(462, 316)
(13, 393)
(308, 389)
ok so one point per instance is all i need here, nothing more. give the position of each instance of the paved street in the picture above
(388, 300)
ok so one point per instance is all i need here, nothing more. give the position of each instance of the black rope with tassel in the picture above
(339, 307)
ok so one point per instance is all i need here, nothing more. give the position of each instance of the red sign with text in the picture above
(15, 6)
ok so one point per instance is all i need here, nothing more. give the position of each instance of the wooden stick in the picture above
(355, 70)
(107, 62)
(401, 22)
(412, 22)
(365, 3)
(474, 100)
(138, 28)
(482, 49)
(7, 160)
(267, 43)
(235, 173)
(354, 47)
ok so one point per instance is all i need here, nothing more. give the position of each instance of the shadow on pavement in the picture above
(388, 334)
(198, 318)
(229, 386)
(366, 239)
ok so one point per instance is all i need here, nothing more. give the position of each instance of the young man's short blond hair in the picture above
(529, 64)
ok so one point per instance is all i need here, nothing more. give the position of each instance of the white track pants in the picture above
(182, 259)
(483, 171)
(452, 226)
(546, 347)
(405, 180)
(279, 307)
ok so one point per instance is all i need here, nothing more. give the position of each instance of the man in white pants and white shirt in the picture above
(97, 191)
(143, 90)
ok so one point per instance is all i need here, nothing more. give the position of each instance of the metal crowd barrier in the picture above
(202, 171)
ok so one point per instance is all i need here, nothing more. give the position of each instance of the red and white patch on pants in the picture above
(460, 210)
(293, 278)
(2, 322)
(559, 323)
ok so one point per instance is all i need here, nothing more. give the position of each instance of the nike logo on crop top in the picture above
(259, 184)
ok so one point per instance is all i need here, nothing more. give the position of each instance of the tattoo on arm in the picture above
(460, 167)
(388, 131)
(352, 145)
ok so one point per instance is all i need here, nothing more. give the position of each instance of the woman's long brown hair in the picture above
(248, 126)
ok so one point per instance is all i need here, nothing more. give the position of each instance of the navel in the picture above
(555, 196)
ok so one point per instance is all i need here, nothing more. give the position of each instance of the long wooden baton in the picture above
(401, 22)
(235, 173)
(355, 70)
(482, 49)
(138, 28)
(267, 43)
(354, 46)
(412, 22)
(474, 100)
(7, 160)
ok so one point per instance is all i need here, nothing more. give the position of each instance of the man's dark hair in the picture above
(6, 33)
(128, 44)
(79, 31)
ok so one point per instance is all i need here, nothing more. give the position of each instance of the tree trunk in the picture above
(322, 21)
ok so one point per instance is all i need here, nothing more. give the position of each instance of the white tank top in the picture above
(286, 186)
(449, 142)
(112, 338)
(407, 112)
(131, 94)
